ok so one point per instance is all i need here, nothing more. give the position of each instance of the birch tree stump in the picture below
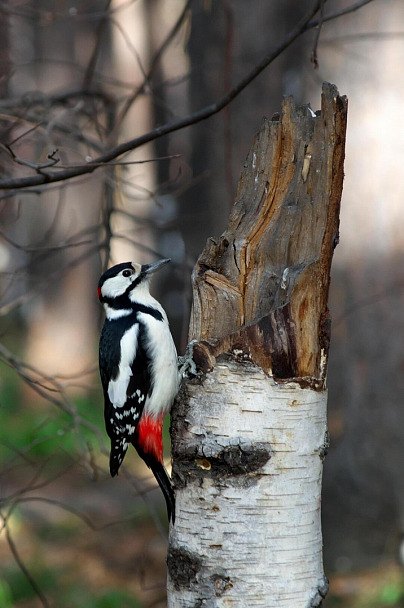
(249, 436)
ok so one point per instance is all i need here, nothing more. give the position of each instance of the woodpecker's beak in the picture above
(151, 268)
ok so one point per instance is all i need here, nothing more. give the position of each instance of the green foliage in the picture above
(392, 594)
(19, 586)
(79, 597)
(6, 600)
(41, 430)
(15, 589)
(382, 588)
(38, 443)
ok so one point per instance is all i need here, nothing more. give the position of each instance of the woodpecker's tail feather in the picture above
(166, 487)
(162, 479)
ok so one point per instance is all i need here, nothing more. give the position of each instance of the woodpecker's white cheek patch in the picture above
(116, 286)
(117, 389)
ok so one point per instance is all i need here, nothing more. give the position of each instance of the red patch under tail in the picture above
(149, 436)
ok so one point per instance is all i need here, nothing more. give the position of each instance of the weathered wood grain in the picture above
(260, 290)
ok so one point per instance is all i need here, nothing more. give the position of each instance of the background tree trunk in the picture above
(249, 438)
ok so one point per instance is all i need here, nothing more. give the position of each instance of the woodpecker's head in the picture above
(118, 284)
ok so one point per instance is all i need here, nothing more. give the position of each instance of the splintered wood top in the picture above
(260, 290)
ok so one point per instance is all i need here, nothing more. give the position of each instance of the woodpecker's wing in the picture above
(126, 381)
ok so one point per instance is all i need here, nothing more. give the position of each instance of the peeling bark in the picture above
(249, 436)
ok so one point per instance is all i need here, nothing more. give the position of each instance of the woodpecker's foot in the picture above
(186, 364)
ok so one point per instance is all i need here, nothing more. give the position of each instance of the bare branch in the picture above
(340, 13)
(34, 483)
(41, 284)
(22, 566)
(314, 56)
(22, 135)
(155, 61)
(89, 73)
(47, 177)
(49, 388)
(126, 163)
(28, 249)
(52, 159)
(70, 509)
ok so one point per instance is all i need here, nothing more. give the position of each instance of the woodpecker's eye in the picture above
(127, 273)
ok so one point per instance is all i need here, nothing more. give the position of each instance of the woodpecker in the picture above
(138, 369)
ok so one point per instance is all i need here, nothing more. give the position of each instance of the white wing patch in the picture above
(117, 388)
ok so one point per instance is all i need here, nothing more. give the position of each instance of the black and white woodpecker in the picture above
(138, 368)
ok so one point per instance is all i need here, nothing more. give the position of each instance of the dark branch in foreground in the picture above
(48, 177)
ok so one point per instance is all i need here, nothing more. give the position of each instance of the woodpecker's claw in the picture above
(186, 364)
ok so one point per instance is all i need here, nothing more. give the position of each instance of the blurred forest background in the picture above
(79, 78)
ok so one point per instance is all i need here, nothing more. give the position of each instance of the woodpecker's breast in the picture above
(163, 363)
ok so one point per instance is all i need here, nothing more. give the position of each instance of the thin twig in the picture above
(70, 509)
(304, 25)
(25, 133)
(51, 162)
(33, 485)
(126, 163)
(314, 55)
(340, 13)
(89, 73)
(155, 61)
(228, 63)
(23, 568)
(28, 249)
(30, 376)
(41, 284)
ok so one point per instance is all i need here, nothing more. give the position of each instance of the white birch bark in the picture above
(254, 492)
(249, 435)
